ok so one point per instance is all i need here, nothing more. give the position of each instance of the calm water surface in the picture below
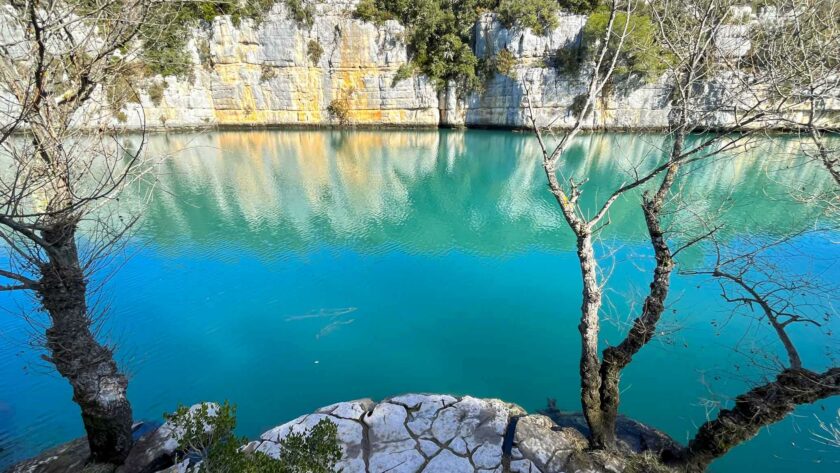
(289, 270)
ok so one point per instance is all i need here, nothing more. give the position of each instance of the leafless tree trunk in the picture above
(756, 409)
(616, 358)
(749, 279)
(692, 46)
(567, 195)
(64, 166)
(99, 388)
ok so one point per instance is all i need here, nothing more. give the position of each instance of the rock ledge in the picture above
(411, 433)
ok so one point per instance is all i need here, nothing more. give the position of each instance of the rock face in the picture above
(412, 433)
(265, 75)
(434, 433)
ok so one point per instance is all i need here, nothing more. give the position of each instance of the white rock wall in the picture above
(262, 75)
(437, 433)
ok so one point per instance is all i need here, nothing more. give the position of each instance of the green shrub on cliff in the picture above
(303, 13)
(539, 15)
(579, 6)
(155, 91)
(339, 109)
(314, 51)
(165, 31)
(207, 434)
(641, 55)
(439, 33)
(504, 63)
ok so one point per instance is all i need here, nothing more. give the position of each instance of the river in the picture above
(287, 270)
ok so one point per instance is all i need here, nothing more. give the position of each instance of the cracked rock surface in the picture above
(436, 433)
(412, 433)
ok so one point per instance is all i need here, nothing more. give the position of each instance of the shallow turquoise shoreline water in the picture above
(287, 270)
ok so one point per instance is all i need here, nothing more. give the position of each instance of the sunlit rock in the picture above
(262, 74)
(448, 462)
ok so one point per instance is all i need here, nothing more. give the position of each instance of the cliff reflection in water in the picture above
(287, 270)
(481, 191)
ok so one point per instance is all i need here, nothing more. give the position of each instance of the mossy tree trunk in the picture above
(754, 410)
(98, 387)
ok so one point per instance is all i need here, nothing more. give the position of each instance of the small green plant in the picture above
(505, 62)
(302, 11)
(579, 6)
(538, 15)
(206, 433)
(641, 55)
(405, 71)
(267, 73)
(439, 33)
(339, 109)
(203, 428)
(155, 92)
(121, 117)
(204, 55)
(566, 59)
(166, 29)
(314, 51)
(367, 10)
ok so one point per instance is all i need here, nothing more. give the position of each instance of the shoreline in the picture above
(157, 130)
(409, 433)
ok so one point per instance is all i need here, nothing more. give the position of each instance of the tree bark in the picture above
(616, 358)
(590, 363)
(760, 407)
(98, 387)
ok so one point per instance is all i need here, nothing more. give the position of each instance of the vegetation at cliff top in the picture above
(166, 30)
(303, 13)
(641, 54)
(440, 35)
(440, 32)
(208, 436)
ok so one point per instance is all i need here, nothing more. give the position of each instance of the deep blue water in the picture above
(289, 270)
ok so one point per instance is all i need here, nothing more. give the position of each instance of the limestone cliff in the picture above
(266, 74)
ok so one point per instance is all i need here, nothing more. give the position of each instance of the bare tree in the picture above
(780, 299)
(796, 57)
(567, 194)
(701, 55)
(62, 166)
(689, 35)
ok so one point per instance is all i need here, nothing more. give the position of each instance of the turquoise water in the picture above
(289, 270)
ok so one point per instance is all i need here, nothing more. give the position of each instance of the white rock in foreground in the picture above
(432, 433)
(413, 433)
